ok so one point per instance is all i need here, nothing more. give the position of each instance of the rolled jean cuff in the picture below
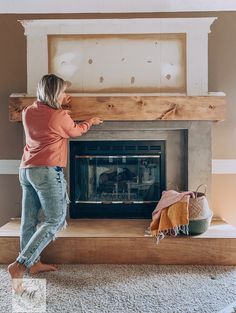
(24, 261)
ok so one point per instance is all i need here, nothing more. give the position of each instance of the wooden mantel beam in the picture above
(135, 107)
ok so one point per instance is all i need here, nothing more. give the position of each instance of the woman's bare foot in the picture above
(16, 271)
(41, 267)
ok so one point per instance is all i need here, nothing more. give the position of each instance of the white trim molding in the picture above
(9, 167)
(196, 30)
(114, 6)
(225, 166)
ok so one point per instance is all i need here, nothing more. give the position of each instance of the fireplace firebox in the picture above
(116, 179)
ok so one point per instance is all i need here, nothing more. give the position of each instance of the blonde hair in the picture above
(48, 90)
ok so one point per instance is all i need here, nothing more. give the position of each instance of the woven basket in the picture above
(198, 206)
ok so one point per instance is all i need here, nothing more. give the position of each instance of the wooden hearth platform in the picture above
(123, 242)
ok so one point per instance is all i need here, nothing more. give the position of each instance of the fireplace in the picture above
(158, 93)
(119, 169)
(116, 179)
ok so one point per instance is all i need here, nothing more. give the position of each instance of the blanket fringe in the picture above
(181, 229)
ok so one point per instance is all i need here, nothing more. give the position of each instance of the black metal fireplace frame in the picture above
(115, 148)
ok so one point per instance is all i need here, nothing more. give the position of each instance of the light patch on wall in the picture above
(65, 62)
(226, 166)
(120, 63)
(9, 167)
(169, 71)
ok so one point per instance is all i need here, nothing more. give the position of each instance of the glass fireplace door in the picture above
(117, 179)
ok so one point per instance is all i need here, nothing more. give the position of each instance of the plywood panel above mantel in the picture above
(134, 107)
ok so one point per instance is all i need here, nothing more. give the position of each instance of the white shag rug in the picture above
(133, 289)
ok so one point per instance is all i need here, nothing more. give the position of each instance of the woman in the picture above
(47, 128)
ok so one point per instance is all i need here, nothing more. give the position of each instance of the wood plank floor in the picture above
(123, 242)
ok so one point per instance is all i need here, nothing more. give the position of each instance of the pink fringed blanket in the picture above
(171, 216)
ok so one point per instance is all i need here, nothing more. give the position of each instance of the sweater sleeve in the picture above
(63, 125)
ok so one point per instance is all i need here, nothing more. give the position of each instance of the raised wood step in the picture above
(123, 242)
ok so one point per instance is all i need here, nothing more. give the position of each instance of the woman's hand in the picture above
(66, 99)
(95, 121)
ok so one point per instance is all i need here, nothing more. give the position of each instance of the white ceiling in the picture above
(114, 6)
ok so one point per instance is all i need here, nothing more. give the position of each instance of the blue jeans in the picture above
(42, 188)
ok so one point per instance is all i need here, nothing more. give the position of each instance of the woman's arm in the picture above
(63, 124)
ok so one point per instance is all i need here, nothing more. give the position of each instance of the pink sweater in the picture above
(47, 131)
(168, 198)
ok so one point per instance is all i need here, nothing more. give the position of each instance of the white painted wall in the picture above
(122, 63)
(114, 6)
